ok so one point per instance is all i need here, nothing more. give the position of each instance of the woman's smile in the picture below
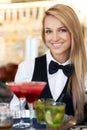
(58, 45)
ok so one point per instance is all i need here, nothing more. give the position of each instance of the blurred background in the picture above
(20, 30)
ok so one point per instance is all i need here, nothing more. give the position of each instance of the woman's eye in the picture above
(48, 31)
(63, 30)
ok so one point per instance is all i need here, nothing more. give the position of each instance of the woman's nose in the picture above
(55, 36)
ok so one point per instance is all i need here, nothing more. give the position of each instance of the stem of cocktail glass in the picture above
(31, 110)
(21, 119)
(22, 124)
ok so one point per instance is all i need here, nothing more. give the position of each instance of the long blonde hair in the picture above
(77, 53)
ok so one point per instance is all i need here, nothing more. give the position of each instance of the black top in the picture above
(40, 74)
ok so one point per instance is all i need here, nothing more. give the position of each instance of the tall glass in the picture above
(6, 117)
(31, 91)
(15, 88)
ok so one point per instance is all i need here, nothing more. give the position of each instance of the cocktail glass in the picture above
(40, 105)
(40, 110)
(54, 114)
(31, 91)
(16, 89)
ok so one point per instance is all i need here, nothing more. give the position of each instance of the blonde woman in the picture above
(62, 34)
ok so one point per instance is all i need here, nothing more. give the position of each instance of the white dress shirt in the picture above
(56, 81)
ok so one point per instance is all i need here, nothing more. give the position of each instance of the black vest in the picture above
(40, 74)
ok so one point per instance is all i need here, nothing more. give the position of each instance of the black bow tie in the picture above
(67, 69)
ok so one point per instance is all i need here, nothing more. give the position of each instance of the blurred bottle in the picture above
(31, 48)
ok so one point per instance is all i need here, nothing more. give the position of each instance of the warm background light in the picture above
(4, 1)
(21, 20)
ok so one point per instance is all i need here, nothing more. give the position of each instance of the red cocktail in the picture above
(32, 91)
(16, 89)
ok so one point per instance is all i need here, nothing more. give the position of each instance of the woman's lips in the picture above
(57, 45)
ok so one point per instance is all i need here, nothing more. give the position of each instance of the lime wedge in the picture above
(58, 118)
(48, 117)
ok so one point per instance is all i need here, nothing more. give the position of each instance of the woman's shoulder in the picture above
(27, 66)
(25, 70)
(28, 63)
